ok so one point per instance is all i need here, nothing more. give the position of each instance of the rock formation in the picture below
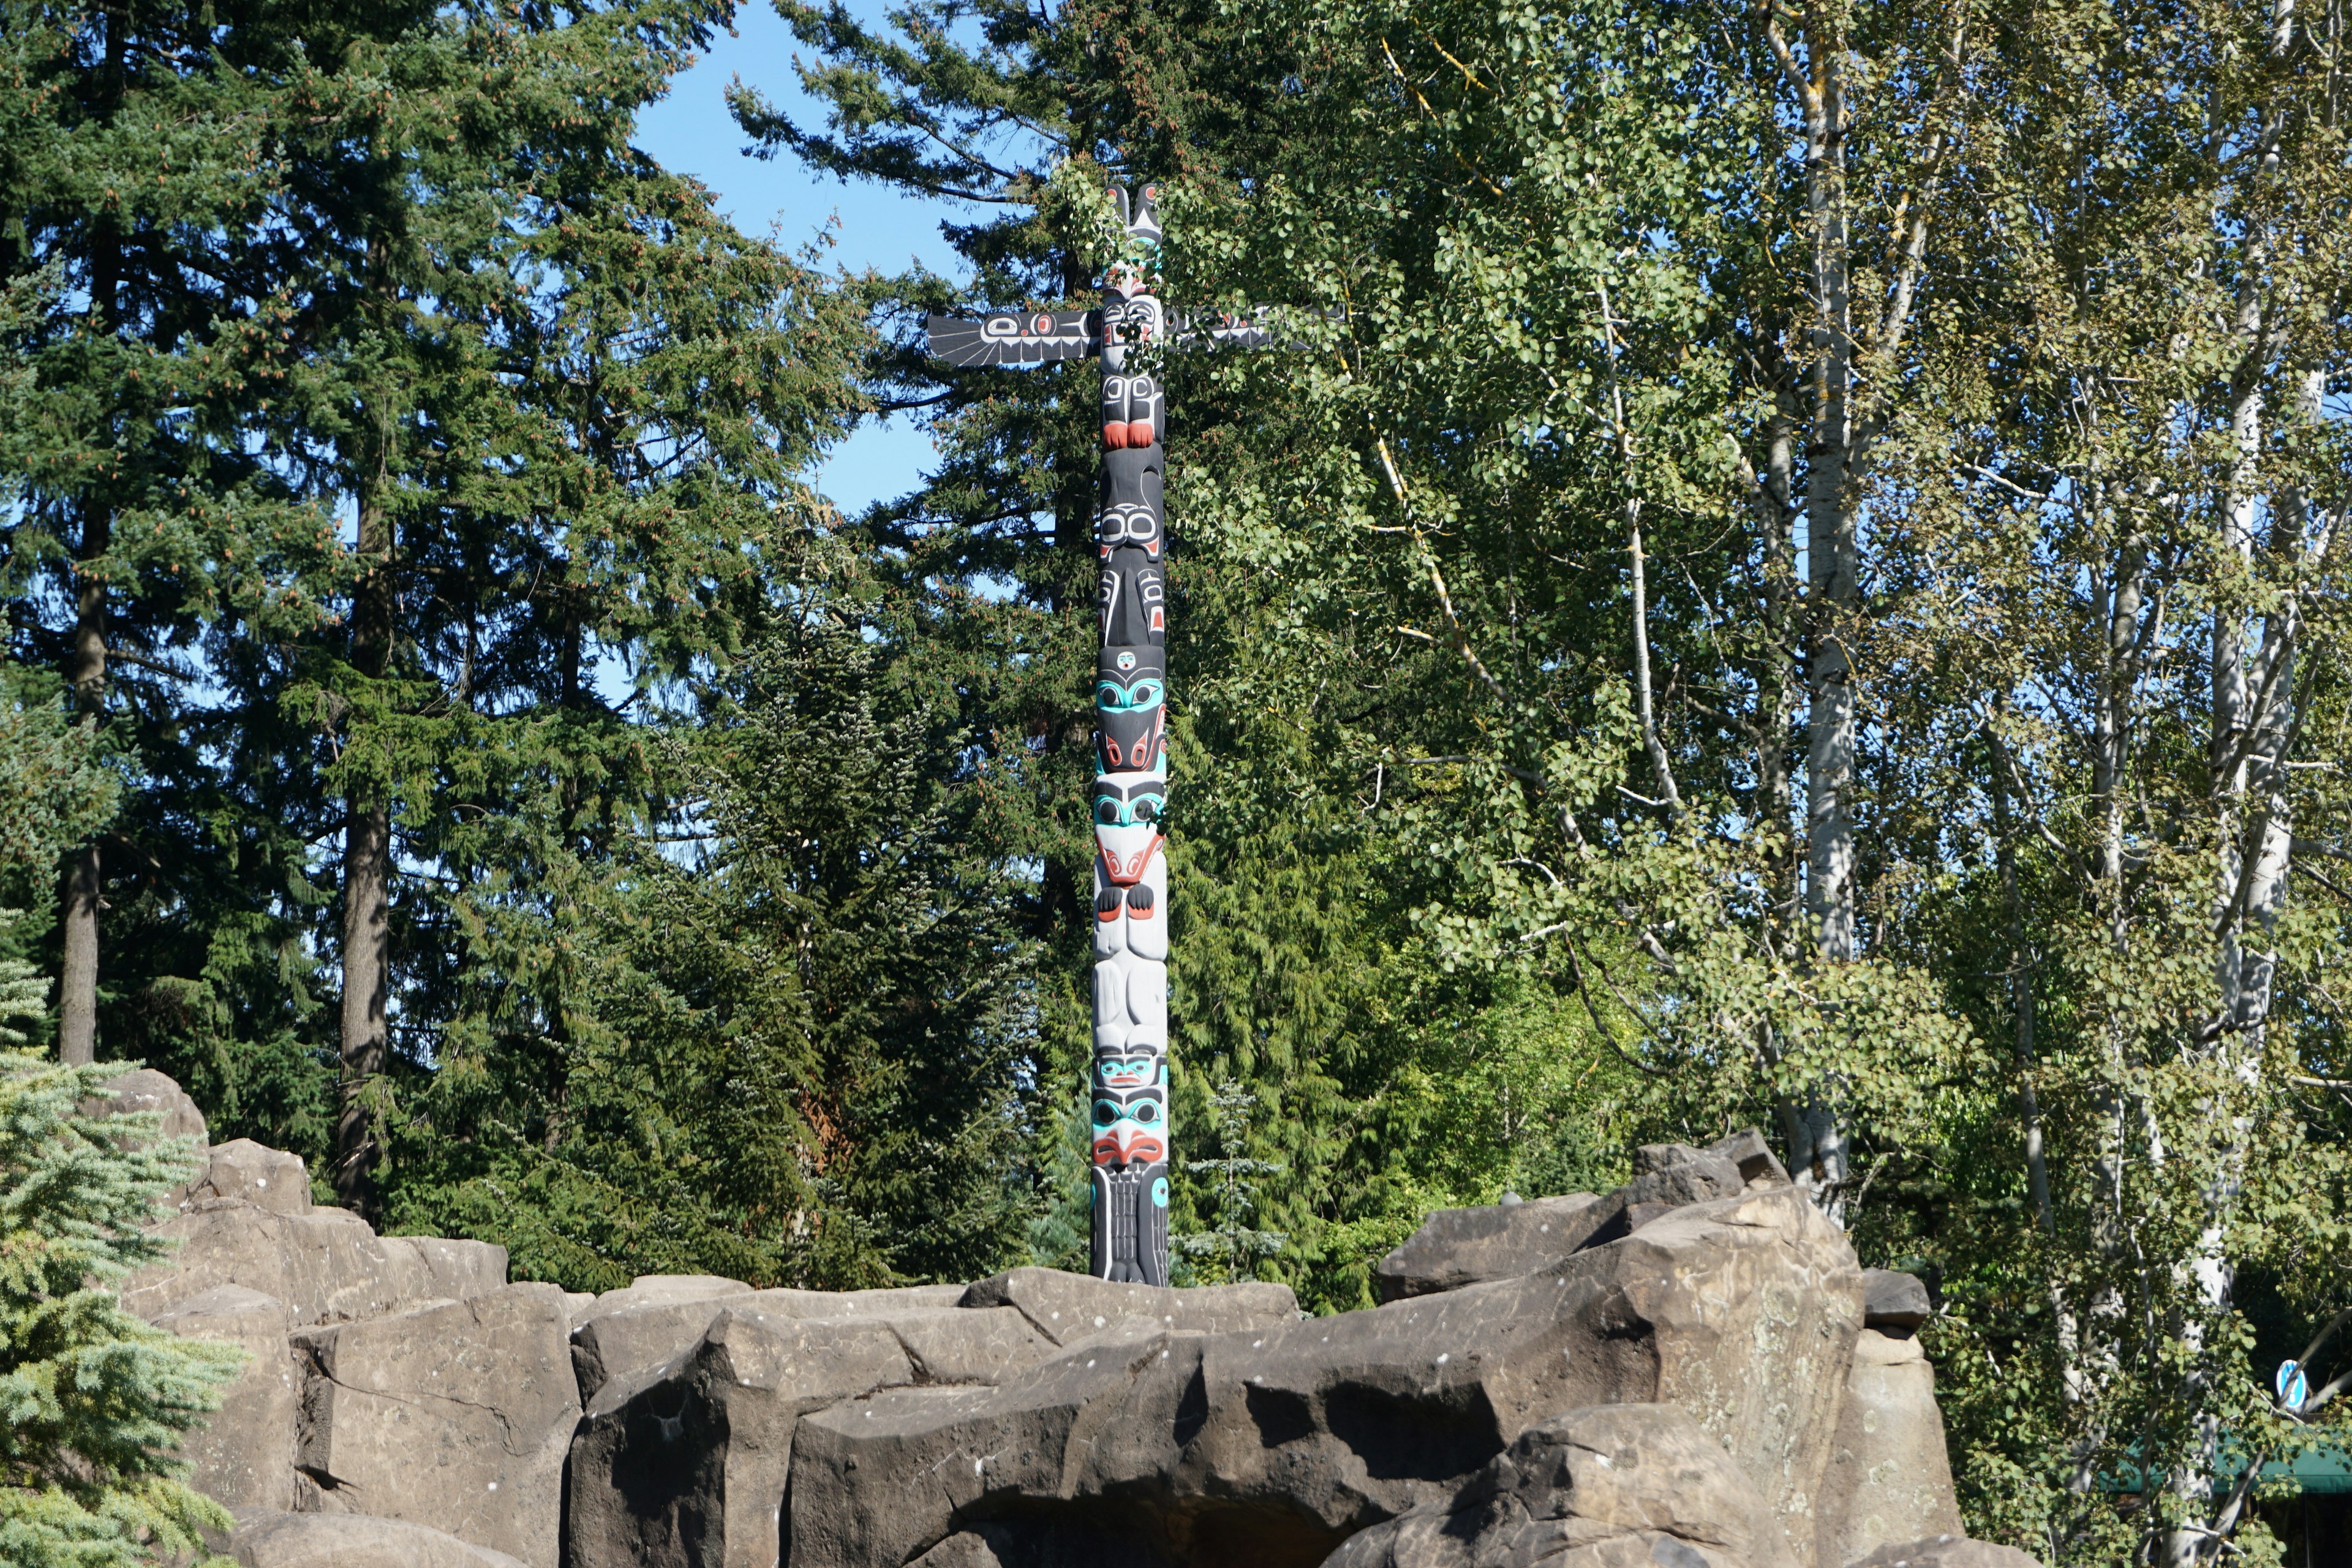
(1690, 1372)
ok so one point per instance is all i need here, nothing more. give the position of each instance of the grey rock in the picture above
(1893, 1303)
(646, 1288)
(326, 1266)
(1066, 1308)
(1670, 1173)
(687, 1467)
(264, 1177)
(1947, 1552)
(1271, 1445)
(1889, 1477)
(1757, 1162)
(1455, 1248)
(1056, 1543)
(1615, 1484)
(458, 1416)
(966, 1549)
(266, 1539)
(629, 1332)
(892, 1300)
(243, 1455)
(145, 1089)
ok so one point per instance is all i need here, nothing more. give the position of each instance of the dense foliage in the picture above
(1785, 567)
(92, 1401)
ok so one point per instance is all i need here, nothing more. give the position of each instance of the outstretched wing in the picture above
(1217, 329)
(1014, 337)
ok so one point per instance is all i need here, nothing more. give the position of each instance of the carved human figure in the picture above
(1130, 1004)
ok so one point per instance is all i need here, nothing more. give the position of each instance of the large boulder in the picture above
(1459, 1248)
(1066, 1308)
(629, 1332)
(1274, 1445)
(144, 1090)
(270, 1540)
(243, 1455)
(266, 1178)
(1455, 1248)
(456, 1415)
(1889, 1478)
(687, 1467)
(326, 1265)
(1617, 1483)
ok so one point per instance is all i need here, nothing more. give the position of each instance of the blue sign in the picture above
(2293, 1388)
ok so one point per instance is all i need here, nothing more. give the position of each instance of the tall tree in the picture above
(566, 405)
(132, 172)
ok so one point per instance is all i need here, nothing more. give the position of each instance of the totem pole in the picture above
(1130, 1147)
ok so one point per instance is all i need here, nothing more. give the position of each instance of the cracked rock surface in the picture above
(456, 1416)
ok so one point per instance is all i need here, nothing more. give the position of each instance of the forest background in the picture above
(1788, 570)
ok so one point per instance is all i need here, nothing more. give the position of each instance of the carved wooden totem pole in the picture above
(1130, 920)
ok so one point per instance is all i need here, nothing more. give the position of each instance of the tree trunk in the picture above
(367, 871)
(1834, 596)
(85, 663)
(85, 671)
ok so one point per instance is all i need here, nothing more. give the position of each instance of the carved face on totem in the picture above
(1129, 1070)
(1127, 809)
(1130, 323)
(1131, 1125)
(1131, 710)
(1134, 409)
(1126, 503)
(1131, 599)
(1136, 525)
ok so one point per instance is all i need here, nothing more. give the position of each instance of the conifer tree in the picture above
(131, 174)
(91, 1399)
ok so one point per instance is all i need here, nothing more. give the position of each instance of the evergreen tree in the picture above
(798, 1044)
(132, 172)
(91, 1399)
(94, 1399)
(567, 404)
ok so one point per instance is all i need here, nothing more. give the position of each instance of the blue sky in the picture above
(691, 131)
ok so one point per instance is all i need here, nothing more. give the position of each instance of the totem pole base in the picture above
(1130, 1223)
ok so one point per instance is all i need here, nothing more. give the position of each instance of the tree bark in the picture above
(367, 869)
(1833, 597)
(85, 663)
(84, 672)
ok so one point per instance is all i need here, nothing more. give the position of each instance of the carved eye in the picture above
(1105, 1113)
(1109, 812)
(1145, 1114)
